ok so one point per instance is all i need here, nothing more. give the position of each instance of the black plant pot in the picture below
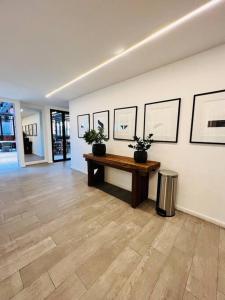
(99, 149)
(140, 156)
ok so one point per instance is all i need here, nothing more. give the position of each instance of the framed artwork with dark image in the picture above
(34, 129)
(208, 118)
(30, 129)
(101, 119)
(162, 119)
(125, 123)
(83, 124)
(27, 129)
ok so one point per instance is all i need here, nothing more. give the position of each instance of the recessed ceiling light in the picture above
(148, 39)
(21, 110)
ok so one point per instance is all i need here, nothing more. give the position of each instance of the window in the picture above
(7, 126)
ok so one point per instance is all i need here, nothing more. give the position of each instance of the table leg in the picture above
(97, 177)
(91, 173)
(139, 188)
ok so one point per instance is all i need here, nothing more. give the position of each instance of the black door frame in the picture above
(63, 134)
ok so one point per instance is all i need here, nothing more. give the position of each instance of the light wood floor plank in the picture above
(10, 286)
(20, 259)
(39, 290)
(172, 281)
(142, 242)
(143, 279)
(189, 296)
(202, 281)
(220, 296)
(165, 239)
(109, 284)
(70, 289)
(97, 263)
(221, 271)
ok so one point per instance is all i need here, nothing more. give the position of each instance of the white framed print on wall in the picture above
(83, 124)
(101, 119)
(125, 123)
(208, 118)
(162, 119)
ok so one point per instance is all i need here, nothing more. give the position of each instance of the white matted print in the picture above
(101, 119)
(208, 118)
(83, 124)
(125, 121)
(162, 119)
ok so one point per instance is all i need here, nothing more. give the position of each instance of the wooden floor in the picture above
(60, 239)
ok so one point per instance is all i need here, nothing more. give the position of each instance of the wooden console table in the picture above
(140, 173)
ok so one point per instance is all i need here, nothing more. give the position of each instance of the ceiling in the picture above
(46, 43)
(27, 112)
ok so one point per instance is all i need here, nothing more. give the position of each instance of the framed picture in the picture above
(125, 123)
(34, 129)
(208, 118)
(26, 129)
(101, 119)
(30, 129)
(83, 124)
(162, 119)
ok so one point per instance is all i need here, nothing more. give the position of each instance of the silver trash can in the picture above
(166, 193)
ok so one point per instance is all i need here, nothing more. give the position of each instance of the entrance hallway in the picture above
(61, 239)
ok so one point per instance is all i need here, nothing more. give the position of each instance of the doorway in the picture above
(33, 135)
(60, 129)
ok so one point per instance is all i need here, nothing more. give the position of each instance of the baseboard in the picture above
(201, 216)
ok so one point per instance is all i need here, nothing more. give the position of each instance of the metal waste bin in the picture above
(166, 193)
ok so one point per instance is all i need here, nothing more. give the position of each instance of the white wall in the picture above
(201, 168)
(19, 134)
(37, 141)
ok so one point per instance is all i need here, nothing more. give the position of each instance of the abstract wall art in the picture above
(208, 118)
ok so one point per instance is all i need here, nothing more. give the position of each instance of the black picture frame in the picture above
(135, 124)
(78, 126)
(193, 116)
(30, 126)
(27, 130)
(177, 122)
(99, 112)
(34, 129)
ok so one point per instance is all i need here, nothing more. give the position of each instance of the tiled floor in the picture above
(60, 239)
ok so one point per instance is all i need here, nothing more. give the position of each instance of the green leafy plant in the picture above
(94, 136)
(142, 144)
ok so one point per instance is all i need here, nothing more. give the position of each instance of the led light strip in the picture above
(150, 38)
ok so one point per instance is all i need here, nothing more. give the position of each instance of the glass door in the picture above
(60, 126)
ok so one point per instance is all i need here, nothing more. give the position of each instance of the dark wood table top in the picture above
(123, 162)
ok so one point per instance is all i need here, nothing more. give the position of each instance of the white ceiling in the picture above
(46, 43)
(27, 112)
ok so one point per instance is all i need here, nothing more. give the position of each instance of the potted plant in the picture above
(141, 147)
(96, 138)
